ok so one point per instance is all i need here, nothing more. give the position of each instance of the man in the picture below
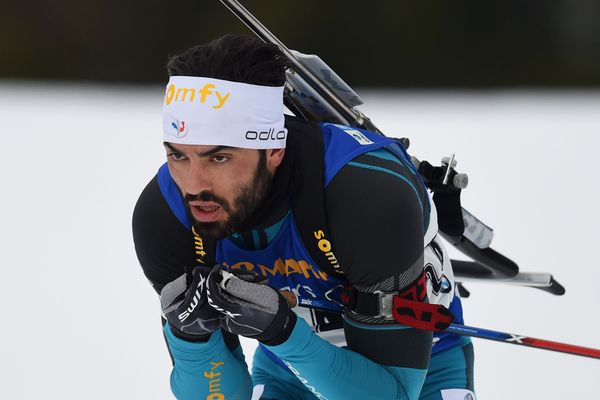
(291, 233)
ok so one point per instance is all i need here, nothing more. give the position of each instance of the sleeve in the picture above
(207, 369)
(376, 207)
(164, 246)
(164, 249)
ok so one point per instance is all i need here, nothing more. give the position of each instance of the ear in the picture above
(274, 159)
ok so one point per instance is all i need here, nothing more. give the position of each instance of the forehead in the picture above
(207, 150)
(193, 148)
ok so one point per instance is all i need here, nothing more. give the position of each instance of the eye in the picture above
(176, 156)
(220, 159)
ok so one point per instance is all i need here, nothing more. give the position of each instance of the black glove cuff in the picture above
(188, 337)
(287, 319)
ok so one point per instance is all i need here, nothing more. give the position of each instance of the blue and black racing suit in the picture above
(378, 218)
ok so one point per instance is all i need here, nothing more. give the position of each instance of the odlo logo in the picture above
(179, 129)
(265, 135)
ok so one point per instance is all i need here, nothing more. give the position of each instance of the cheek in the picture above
(176, 173)
(230, 186)
(227, 187)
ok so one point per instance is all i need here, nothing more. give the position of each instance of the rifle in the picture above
(314, 92)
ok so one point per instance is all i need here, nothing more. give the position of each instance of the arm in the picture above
(202, 368)
(376, 222)
(165, 248)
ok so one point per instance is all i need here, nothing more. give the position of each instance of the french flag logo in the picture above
(179, 128)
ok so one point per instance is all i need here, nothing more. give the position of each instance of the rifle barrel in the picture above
(264, 34)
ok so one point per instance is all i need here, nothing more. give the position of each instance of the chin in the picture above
(213, 230)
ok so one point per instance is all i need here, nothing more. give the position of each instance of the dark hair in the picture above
(237, 58)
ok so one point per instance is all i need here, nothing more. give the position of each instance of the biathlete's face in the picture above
(221, 186)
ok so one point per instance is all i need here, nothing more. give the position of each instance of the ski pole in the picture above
(436, 317)
(522, 340)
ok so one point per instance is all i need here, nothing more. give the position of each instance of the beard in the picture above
(247, 198)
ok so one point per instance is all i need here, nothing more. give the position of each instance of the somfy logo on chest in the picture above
(198, 246)
(281, 267)
(325, 246)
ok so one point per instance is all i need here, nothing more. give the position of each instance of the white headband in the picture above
(211, 111)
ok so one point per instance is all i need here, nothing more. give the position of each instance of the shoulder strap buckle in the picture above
(391, 306)
(386, 301)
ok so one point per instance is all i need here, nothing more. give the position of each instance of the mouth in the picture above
(205, 211)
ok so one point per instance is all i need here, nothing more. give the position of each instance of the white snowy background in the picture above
(79, 321)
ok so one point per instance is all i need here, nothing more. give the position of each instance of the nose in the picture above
(196, 179)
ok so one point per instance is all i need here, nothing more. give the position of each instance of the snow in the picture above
(80, 321)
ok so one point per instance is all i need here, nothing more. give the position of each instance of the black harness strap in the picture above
(369, 304)
(308, 197)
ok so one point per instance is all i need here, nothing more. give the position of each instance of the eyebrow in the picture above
(208, 153)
